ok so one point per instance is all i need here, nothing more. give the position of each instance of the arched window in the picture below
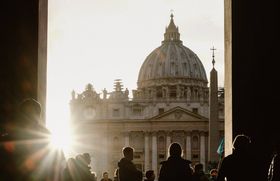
(161, 143)
(116, 144)
(195, 142)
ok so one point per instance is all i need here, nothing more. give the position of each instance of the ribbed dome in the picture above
(171, 60)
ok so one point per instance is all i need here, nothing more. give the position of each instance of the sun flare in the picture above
(62, 140)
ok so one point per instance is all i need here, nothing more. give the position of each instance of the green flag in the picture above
(221, 147)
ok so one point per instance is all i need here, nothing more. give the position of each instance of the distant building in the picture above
(171, 104)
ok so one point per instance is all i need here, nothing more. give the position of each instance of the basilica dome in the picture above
(171, 61)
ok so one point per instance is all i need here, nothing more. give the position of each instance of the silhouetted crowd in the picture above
(26, 155)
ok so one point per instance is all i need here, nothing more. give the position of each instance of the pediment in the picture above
(178, 114)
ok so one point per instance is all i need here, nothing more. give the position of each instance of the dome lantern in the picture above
(172, 32)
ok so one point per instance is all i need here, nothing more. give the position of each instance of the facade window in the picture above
(161, 156)
(160, 110)
(136, 140)
(161, 143)
(116, 143)
(116, 112)
(195, 110)
(195, 156)
(159, 93)
(195, 142)
(173, 92)
(172, 68)
(137, 155)
(137, 111)
(185, 68)
(176, 70)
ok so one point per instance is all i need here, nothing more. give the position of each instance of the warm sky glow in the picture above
(97, 41)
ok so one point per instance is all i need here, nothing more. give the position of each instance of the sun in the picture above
(59, 124)
(61, 138)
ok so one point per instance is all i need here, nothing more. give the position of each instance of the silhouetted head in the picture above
(175, 149)
(213, 172)
(105, 175)
(241, 142)
(128, 153)
(29, 111)
(198, 167)
(71, 163)
(150, 175)
(80, 160)
(86, 157)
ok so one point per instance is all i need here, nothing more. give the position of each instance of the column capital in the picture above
(126, 133)
(202, 133)
(147, 133)
(168, 133)
(154, 133)
(188, 133)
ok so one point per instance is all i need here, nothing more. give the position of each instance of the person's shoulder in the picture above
(125, 162)
(186, 161)
(229, 157)
(163, 162)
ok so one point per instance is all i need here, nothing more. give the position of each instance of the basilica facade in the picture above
(172, 103)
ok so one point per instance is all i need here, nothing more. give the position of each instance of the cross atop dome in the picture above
(171, 13)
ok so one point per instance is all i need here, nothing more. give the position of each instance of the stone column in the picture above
(168, 142)
(188, 146)
(147, 151)
(105, 151)
(126, 139)
(228, 76)
(154, 153)
(42, 54)
(202, 149)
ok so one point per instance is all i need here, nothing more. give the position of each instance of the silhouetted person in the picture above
(199, 174)
(70, 172)
(213, 175)
(274, 168)
(239, 166)
(150, 175)
(175, 168)
(106, 177)
(87, 158)
(127, 170)
(84, 173)
(25, 151)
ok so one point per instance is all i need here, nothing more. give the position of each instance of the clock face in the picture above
(89, 112)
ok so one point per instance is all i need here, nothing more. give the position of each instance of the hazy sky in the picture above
(98, 41)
